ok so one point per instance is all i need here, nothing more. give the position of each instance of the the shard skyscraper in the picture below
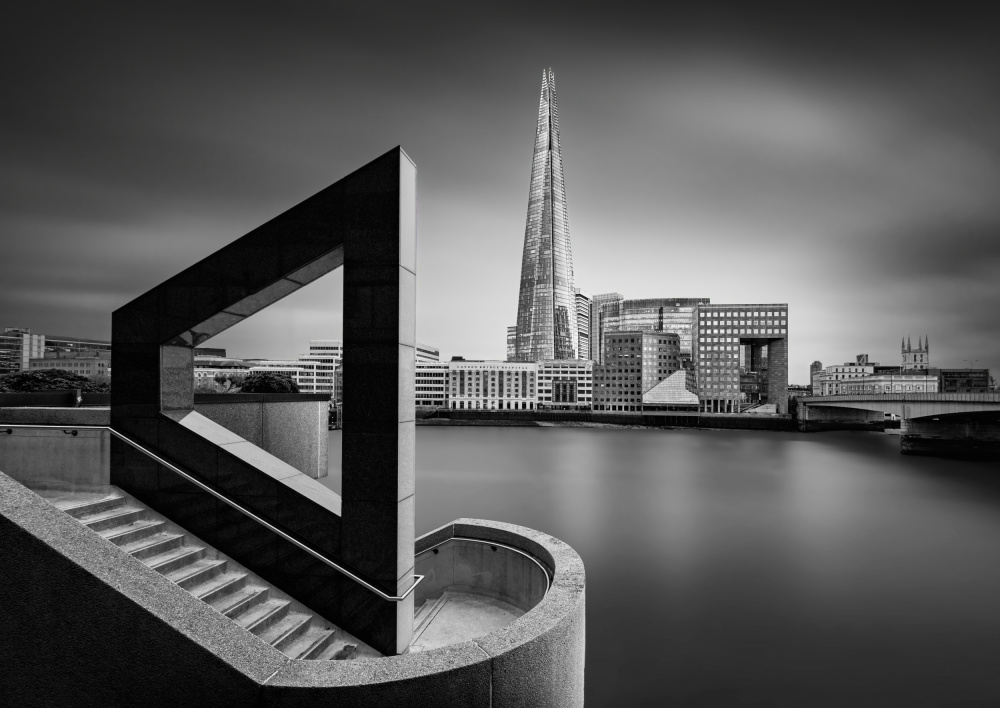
(546, 307)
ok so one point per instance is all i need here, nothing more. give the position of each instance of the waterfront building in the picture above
(741, 356)
(677, 392)
(815, 371)
(597, 302)
(18, 346)
(431, 384)
(906, 382)
(302, 373)
(676, 315)
(829, 382)
(963, 380)
(425, 352)
(321, 362)
(546, 306)
(84, 363)
(634, 363)
(492, 385)
(582, 323)
(565, 384)
(916, 358)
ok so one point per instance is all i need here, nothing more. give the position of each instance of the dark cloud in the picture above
(842, 160)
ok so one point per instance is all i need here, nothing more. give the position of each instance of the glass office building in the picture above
(546, 307)
(676, 315)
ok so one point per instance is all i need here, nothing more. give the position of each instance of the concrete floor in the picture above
(458, 617)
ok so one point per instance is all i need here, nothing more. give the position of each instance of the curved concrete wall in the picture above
(85, 624)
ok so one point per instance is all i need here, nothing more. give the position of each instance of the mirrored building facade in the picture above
(546, 308)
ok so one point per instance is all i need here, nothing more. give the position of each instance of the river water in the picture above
(739, 568)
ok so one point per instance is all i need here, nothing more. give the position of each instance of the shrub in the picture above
(51, 380)
(268, 382)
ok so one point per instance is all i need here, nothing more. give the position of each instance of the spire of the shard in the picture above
(546, 307)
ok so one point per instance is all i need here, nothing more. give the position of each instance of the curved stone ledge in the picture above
(536, 660)
(137, 635)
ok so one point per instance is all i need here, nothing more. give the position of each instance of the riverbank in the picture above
(594, 419)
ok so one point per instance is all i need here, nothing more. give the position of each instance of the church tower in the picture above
(916, 358)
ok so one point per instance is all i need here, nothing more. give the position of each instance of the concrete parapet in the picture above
(293, 427)
(128, 636)
(64, 456)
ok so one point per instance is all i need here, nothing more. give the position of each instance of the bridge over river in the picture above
(930, 422)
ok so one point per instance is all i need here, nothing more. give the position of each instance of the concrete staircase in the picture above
(206, 574)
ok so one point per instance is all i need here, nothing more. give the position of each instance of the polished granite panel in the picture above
(366, 221)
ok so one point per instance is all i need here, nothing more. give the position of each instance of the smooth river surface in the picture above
(739, 568)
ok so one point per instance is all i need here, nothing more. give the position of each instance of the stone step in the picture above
(310, 644)
(219, 586)
(120, 516)
(241, 601)
(264, 615)
(336, 651)
(153, 545)
(144, 535)
(120, 535)
(198, 572)
(95, 506)
(174, 559)
(283, 633)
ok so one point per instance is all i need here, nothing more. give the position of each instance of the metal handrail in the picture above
(8, 428)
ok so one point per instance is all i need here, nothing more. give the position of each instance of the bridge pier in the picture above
(973, 435)
(819, 418)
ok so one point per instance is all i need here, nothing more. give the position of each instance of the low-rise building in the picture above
(492, 385)
(431, 385)
(963, 380)
(831, 380)
(84, 363)
(565, 384)
(904, 382)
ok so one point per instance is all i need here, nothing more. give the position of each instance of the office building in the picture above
(596, 343)
(912, 381)
(830, 381)
(582, 323)
(741, 356)
(425, 352)
(431, 384)
(635, 363)
(565, 384)
(18, 346)
(676, 315)
(492, 385)
(963, 380)
(815, 371)
(511, 342)
(82, 362)
(546, 305)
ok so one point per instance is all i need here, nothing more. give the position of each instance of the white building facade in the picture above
(566, 384)
(492, 385)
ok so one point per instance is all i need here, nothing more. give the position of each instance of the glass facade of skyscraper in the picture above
(676, 315)
(546, 306)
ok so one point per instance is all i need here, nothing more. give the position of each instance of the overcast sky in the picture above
(842, 161)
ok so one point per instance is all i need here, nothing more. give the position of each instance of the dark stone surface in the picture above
(367, 222)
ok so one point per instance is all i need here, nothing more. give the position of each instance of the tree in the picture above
(268, 382)
(228, 382)
(51, 380)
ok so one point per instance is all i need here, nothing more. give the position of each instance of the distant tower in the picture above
(546, 305)
(916, 358)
